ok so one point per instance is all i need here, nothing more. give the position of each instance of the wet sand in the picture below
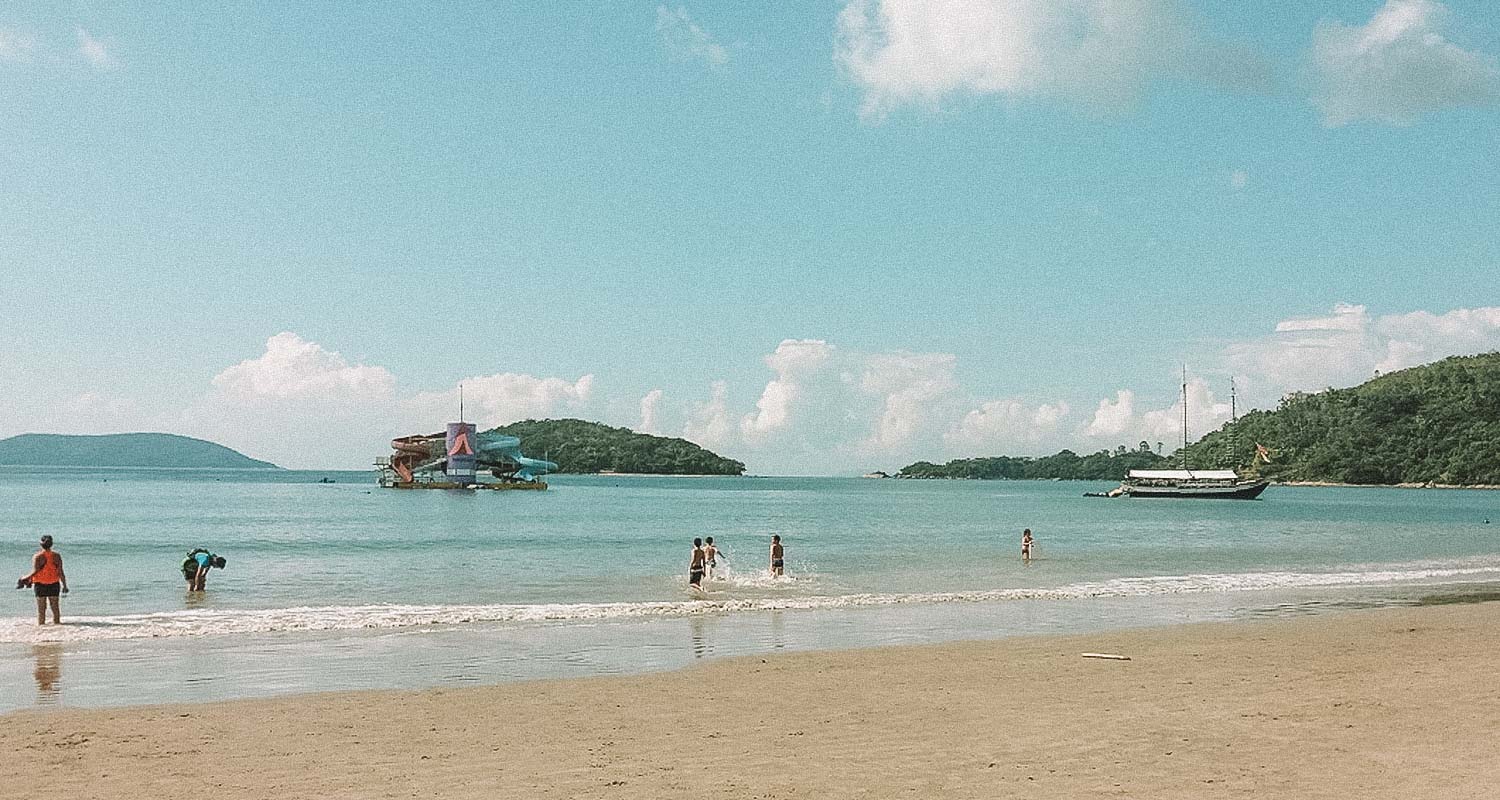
(1397, 703)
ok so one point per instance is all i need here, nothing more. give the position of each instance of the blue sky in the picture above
(824, 237)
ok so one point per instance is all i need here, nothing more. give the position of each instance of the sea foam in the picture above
(220, 622)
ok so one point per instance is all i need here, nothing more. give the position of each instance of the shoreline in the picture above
(1315, 484)
(1387, 702)
(1337, 485)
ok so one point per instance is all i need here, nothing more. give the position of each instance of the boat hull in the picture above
(1239, 491)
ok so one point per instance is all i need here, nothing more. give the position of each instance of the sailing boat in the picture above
(1212, 484)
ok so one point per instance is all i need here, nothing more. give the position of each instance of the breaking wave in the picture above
(206, 622)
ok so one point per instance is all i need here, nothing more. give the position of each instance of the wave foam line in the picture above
(205, 622)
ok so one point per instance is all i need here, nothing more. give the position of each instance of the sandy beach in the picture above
(1362, 704)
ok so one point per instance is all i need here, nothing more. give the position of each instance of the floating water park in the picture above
(458, 458)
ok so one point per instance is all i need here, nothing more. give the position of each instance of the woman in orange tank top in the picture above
(47, 581)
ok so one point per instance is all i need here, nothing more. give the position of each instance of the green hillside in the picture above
(1438, 423)
(1066, 465)
(586, 447)
(122, 450)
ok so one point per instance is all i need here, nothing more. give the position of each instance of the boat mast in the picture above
(1234, 429)
(1184, 418)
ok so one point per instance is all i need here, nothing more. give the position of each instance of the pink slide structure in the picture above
(414, 452)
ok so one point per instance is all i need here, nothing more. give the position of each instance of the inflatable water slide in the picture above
(455, 458)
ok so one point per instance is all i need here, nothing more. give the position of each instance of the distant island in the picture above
(1066, 465)
(1433, 425)
(579, 446)
(122, 450)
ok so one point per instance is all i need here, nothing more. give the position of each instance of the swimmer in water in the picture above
(778, 556)
(695, 566)
(1026, 543)
(711, 556)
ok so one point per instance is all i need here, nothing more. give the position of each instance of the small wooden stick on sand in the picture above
(1110, 656)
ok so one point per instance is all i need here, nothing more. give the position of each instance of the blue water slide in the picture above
(497, 448)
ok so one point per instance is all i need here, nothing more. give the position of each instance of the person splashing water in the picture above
(711, 556)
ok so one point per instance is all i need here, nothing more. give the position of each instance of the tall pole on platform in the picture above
(1184, 418)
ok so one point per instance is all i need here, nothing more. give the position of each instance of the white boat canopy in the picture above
(1184, 474)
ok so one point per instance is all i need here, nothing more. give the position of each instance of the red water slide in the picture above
(412, 452)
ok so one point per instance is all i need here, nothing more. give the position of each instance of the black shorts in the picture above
(47, 589)
(695, 577)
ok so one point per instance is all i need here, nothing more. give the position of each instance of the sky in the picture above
(822, 237)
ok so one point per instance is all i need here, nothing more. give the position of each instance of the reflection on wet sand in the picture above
(700, 645)
(48, 673)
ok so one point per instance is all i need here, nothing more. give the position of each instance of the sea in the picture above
(333, 583)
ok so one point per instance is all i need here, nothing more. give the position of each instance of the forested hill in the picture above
(1066, 465)
(585, 447)
(122, 450)
(1438, 423)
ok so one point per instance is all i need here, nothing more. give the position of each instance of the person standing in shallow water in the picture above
(710, 558)
(778, 556)
(1026, 543)
(695, 566)
(195, 568)
(47, 581)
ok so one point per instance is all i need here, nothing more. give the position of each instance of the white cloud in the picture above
(709, 425)
(913, 389)
(651, 413)
(1116, 422)
(824, 409)
(1396, 67)
(95, 51)
(1421, 337)
(1205, 413)
(686, 40)
(795, 362)
(1101, 53)
(1346, 317)
(1112, 418)
(301, 405)
(1006, 426)
(16, 46)
(1350, 346)
(294, 368)
(503, 398)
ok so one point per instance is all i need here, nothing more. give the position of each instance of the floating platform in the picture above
(454, 459)
(534, 486)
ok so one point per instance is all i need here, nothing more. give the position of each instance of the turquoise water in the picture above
(345, 585)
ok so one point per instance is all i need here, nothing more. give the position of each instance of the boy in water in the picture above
(1026, 542)
(47, 582)
(710, 557)
(695, 566)
(778, 556)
